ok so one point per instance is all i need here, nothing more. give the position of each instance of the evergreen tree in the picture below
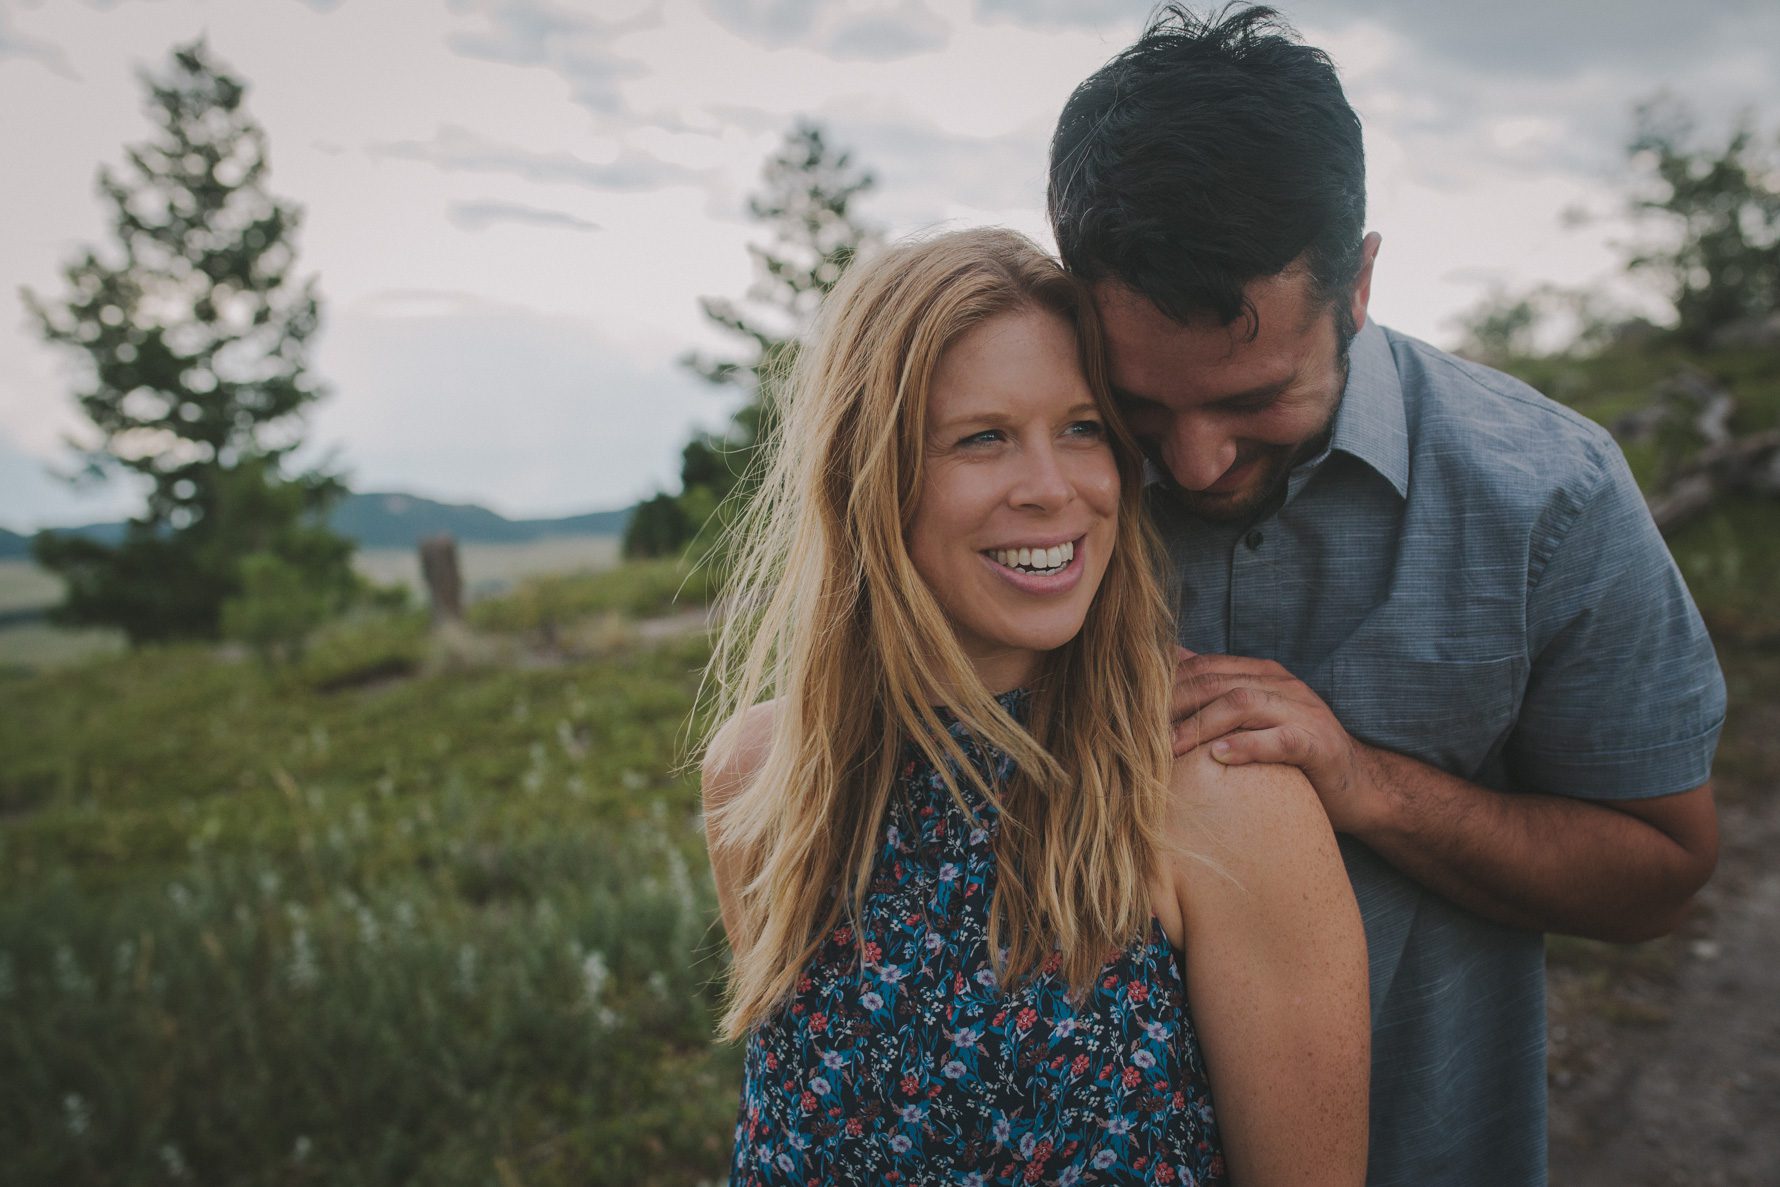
(1720, 207)
(807, 197)
(194, 332)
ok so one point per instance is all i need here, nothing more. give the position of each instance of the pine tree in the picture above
(193, 334)
(807, 197)
(1719, 259)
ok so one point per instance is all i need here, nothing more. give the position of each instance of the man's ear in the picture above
(1362, 292)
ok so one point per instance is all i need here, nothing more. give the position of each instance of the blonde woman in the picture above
(969, 892)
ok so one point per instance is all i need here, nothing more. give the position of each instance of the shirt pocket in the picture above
(1452, 714)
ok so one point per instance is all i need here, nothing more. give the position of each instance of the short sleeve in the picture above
(1624, 699)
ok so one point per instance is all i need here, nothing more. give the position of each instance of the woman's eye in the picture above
(986, 437)
(1091, 429)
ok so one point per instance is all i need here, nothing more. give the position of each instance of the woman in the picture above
(960, 871)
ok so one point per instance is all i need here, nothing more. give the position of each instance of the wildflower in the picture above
(303, 972)
(70, 977)
(594, 975)
(76, 1114)
(174, 1161)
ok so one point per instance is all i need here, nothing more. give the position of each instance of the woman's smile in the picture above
(1040, 568)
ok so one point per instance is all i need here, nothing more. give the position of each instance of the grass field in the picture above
(454, 929)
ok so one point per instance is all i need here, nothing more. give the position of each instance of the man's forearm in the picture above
(1549, 863)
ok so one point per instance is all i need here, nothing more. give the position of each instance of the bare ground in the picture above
(1665, 1057)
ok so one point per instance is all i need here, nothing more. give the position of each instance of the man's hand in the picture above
(1254, 710)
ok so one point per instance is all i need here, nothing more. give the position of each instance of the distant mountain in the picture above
(392, 520)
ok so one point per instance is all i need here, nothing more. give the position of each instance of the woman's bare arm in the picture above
(1276, 972)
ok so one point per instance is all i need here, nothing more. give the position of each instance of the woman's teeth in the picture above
(1035, 560)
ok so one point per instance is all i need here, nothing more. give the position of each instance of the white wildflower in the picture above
(466, 969)
(303, 972)
(174, 1161)
(76, 1114)
(70, 977)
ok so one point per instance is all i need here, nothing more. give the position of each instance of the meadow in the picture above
(434, 908)
(409, 911)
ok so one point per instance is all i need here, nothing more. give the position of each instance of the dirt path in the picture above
(1666, 1058)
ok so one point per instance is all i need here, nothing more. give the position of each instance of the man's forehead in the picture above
(1156, 357)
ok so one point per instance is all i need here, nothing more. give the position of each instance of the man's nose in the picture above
(1196, 455)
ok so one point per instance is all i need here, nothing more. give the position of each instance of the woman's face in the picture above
(1019, 500)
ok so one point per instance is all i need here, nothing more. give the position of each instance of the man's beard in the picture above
(1239, 506)
(1276, 461)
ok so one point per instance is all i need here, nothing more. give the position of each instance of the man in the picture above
(1435, 591)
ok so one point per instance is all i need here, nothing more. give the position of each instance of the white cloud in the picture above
(477, 216)
(452, 156)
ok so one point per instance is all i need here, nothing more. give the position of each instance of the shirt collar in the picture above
(1369, 424)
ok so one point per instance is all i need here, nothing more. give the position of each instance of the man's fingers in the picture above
(1211, 665)
(1282, 744)
(1242, 708)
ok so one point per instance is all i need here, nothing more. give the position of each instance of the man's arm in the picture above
(1614, 870)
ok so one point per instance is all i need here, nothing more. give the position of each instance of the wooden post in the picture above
(444, 581)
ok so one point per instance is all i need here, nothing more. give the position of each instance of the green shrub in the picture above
(636, 589)
(365, 647)
(279, 606)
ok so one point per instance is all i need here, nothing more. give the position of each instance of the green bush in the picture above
(277, 609)
(455, 930)
(636, 589)
(366, 647)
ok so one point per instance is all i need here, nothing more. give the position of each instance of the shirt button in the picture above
(1253, 539)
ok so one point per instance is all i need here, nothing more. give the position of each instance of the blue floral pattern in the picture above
(912, 1066)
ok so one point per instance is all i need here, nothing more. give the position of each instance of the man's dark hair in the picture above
(1214, 151)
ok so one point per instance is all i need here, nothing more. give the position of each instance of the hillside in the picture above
(389, 519)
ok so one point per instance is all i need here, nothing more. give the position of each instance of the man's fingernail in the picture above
(1220, 749)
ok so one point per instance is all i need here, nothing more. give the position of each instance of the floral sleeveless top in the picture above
(914, 1067)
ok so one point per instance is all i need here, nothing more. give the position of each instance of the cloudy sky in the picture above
(514, 205)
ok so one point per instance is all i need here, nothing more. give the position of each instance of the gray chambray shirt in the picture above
(1467, 575)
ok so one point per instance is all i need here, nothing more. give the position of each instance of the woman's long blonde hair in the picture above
(828, 618)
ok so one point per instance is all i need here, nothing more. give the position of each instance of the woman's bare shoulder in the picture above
(735, 752)
(1247, 802)
(1258, 829)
